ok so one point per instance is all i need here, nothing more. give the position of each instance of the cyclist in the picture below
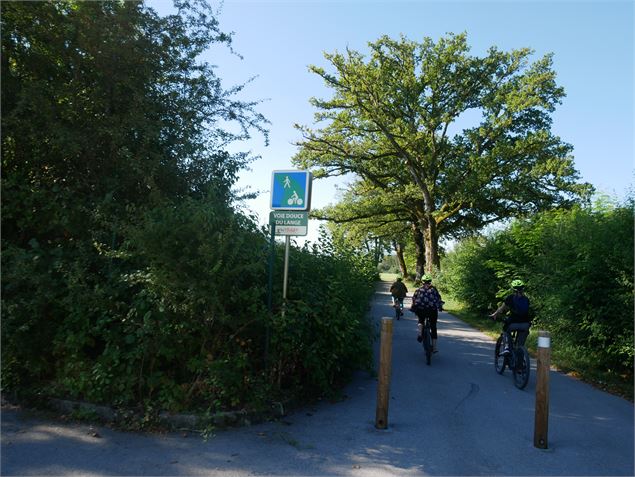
(518, 320)
(426, 302)
(398, 291)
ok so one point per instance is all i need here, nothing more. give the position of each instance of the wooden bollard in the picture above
(541, 423)
(383, 386)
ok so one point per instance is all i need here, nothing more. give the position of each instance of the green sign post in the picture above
(290, 204)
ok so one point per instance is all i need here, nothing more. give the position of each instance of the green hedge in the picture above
(127, 276)
(175, 318)
(578, 266)
(324, 334)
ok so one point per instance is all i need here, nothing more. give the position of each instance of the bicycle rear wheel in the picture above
(427, 344)
(397, 311)
(521, 370)
(500, 362)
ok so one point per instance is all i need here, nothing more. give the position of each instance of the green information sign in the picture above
(289, 222)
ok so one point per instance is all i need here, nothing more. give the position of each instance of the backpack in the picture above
(520, 306)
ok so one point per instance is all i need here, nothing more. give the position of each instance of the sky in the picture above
(593, 55)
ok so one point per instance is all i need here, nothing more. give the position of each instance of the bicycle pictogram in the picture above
(290, 190)
(295, 199)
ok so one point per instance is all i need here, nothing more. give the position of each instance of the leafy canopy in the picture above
(399, 120)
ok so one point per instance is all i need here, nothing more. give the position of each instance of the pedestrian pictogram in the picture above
(291, 190)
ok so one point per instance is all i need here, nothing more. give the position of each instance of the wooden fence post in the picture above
(383, 386)
(541, 423)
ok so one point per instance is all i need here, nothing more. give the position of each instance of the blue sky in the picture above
(592, 44)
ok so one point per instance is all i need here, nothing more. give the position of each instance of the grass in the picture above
(478, 321)
(391, 277)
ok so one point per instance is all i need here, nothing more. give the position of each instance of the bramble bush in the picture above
(176, 317)
(128, 278)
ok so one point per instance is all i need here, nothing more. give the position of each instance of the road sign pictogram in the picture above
(291, 190)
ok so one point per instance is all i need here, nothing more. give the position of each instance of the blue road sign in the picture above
(291, 190)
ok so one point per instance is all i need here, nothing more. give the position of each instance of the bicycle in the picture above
(398, 305)
(426, 339)
(517, 360)
(295, 199)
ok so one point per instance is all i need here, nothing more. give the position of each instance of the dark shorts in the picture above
(433, 315)
(517, 326)
(522, 330)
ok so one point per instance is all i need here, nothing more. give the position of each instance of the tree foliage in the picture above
(129, 277)
(398, 121)
(104, 106)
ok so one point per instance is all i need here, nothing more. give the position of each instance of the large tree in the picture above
(400, 119)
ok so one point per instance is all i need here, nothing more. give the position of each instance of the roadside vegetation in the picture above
(131, 277)
(578, 266)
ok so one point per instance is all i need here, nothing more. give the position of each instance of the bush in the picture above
(578, 266)
(175, 318)
(324, 334)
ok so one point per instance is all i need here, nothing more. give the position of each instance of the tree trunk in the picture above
(378, 254)
(400, 259)
(431, 243)
(372, 247)
(419, 251)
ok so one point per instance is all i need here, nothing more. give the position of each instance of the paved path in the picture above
(455, 417)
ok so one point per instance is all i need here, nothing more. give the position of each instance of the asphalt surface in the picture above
(455, 417)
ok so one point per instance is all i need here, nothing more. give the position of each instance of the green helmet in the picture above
(426, 278)
(518, 284)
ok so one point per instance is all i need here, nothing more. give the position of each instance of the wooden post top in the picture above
(544, 339)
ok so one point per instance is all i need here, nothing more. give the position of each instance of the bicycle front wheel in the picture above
(500, 362)
(521, 370)
(427, 344)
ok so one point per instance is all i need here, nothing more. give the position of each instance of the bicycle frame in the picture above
(518, 360)
(398, 305)
(426, 334)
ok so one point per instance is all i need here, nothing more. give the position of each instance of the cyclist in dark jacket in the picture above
(517, 304)
(426, 302)
(398, 291)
